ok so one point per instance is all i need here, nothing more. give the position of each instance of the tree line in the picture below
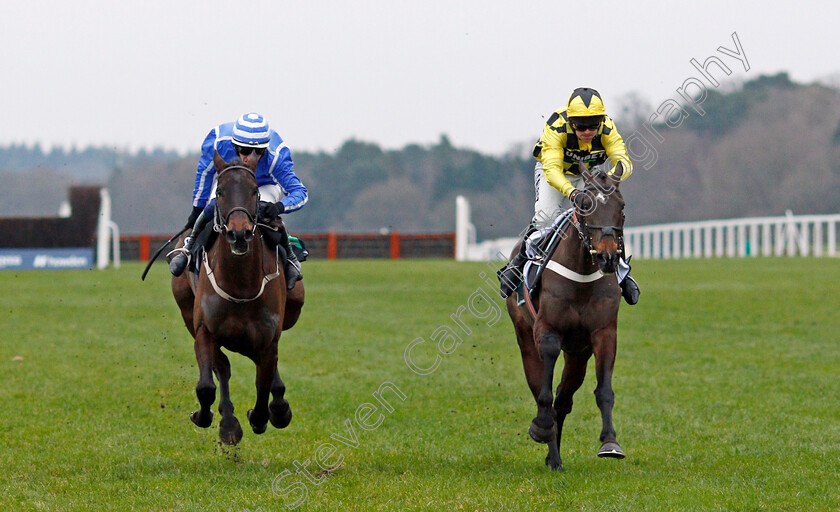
(768, 146)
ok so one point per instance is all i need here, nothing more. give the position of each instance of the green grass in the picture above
(726, 388)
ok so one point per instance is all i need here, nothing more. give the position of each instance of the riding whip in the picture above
(162, 247)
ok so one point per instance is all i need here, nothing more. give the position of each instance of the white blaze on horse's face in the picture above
(601, 198)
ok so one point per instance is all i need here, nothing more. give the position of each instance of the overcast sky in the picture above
(134, 74)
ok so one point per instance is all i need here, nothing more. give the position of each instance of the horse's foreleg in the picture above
(543, 428)
(266, 368)
(230, 432)
(574, 372)
(604, 347)
(205, 390)
(279, 411)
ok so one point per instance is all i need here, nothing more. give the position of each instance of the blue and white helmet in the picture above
(251, 130)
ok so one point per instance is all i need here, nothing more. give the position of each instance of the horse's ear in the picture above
(218, 161)
(617, 173)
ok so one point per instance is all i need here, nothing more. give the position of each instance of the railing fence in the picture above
(789, 235)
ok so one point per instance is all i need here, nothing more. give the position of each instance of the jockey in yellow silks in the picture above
(580, 133)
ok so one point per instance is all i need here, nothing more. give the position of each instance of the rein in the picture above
(583, 228)
(579, 222)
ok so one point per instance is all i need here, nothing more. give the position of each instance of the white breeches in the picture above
(549, 202)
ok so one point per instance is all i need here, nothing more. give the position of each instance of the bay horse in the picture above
(237, 300)
(575, 311)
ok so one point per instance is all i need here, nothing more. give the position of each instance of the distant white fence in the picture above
(790, 235)
(106, 231)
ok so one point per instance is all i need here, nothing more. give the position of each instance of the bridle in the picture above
(584, 228)
(221, 227)
(221, 221)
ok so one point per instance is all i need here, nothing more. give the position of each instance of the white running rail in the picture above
(790, 235)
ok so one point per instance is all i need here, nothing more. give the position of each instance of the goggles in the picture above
(245, 151)
(586, 126)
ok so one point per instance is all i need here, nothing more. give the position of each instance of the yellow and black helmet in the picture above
(585, 102)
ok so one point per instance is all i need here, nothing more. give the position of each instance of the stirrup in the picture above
(171, 254)
(293, 274)
(179, 260)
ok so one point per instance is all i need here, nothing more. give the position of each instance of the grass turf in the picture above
(726, 384)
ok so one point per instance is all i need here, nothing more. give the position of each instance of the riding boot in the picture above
(293, 270)
(629, 287)
(181, 257)
(511, 274)
(630, 290)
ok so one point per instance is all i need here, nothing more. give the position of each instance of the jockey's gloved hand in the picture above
(196, 211)
(581, 200)
(273, 210)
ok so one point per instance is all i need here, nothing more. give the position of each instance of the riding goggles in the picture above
(245, 151)
(582, 127)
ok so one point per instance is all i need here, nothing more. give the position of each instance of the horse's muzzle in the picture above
(606, 251)
(607, 261)
(239, 240)
(607, 254)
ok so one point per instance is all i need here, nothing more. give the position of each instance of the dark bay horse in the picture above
(238, 301)
(577, 313)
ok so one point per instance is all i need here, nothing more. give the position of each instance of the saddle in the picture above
(540, 246)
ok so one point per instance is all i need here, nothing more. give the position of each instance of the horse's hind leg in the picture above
(230, 432)
(279, 411)
(266, 368)
(604, 347)
(531, 362)
(205, 390)
(185, 299)
(294, 304)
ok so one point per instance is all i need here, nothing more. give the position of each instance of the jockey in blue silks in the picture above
(249, 139)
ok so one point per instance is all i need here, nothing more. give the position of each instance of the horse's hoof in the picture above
(612, 450)
(553, 458)
(280, 414)
(555, 465)
(258, 429)
(541, 434)
(196, 418)
(230, 435)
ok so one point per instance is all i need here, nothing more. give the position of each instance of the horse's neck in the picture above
(245, 271)
(573, 254)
